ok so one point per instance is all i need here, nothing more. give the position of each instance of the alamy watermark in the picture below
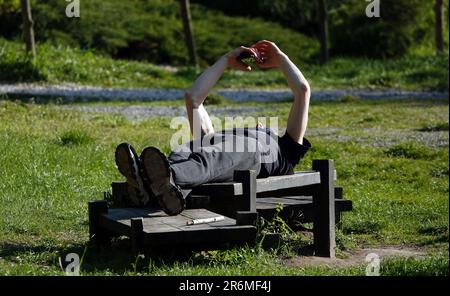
(373, 266)
(71, 264)
(373, 8)
(73, 8)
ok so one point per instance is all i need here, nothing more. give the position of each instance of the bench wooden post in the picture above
(120, 193)
(324, 210)
(338, 194)
(137, 236)
(245, 205)
(246, 202)
(97, 235)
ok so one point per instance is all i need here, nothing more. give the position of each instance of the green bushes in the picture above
(391, 35)
(295, 14)
(151, 30)
(17, 67)
(404, 27)
(216, 37)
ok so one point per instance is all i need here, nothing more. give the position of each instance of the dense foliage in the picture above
(404, 26)
(151, 30)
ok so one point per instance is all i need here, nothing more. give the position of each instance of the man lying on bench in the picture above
(169, 180)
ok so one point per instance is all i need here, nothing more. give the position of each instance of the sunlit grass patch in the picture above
(410, 150)
(433, 266)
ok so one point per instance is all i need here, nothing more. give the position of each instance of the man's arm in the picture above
(298, 115)
(197, 93)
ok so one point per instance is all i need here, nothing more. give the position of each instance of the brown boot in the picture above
(130, 166)
(157, 170)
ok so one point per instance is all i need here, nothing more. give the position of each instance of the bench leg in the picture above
(137, 234)
(246, 218)
(324, 210)
(248, 200)
(98, 235)
(338, 194)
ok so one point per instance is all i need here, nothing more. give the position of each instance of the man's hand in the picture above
(236, 64)
(270, 54)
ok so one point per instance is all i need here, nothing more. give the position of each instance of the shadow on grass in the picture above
(73, 99)
(115, 259)
(118, 259)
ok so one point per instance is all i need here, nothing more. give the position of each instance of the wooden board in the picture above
(267, 206)
(219, 189)
(298, 179)
(161, 229)
(228, 189)
(288, 181)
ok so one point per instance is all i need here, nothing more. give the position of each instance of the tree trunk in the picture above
(323, 30)
(28, 32)
(439, 25)
(189, 36)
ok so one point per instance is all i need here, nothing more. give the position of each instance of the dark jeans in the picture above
(191, 169)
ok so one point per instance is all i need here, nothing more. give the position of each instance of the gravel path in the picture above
(139, 112)
(375, 137)
(88, 93)
(378, 137)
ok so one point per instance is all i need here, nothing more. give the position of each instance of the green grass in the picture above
(435, 266)
(69, 65)
(53, 161)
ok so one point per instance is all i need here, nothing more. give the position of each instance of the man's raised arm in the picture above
(197, 93)
(298, 115)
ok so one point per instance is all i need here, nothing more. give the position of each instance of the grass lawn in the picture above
(67, 65)
(54, 160)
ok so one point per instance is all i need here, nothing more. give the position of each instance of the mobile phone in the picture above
(245, 55)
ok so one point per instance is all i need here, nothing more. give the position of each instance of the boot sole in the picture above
(157, 169)
(126, 162)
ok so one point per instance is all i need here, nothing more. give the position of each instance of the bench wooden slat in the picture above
(300, 178)
(288, 181)
(284, 201)
(219, 189)
(227, 189)
(305, 207)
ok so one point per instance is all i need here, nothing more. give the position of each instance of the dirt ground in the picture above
(354, 258)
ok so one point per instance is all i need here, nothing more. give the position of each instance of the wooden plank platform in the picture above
(158, 229)
(298, 179)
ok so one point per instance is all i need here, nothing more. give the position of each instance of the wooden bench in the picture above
(310, 193)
